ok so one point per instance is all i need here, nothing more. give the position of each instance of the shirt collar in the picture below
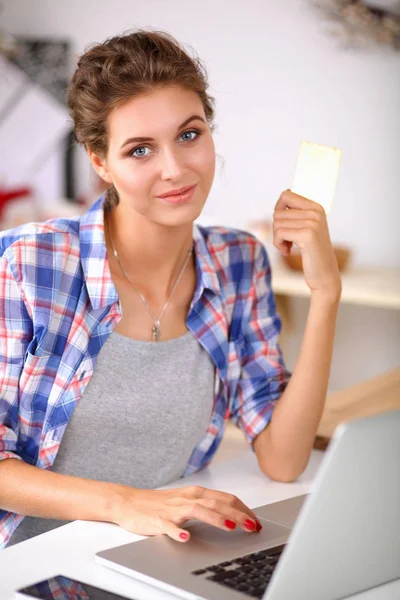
(101, 289)
(207, 277)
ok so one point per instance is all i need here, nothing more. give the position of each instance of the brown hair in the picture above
(122, 67)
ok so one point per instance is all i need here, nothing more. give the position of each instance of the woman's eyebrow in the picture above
(149, 139)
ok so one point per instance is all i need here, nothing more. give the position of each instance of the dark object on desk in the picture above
(293, 261)
(63, 587)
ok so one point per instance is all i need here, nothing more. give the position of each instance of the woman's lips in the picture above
(179, 198)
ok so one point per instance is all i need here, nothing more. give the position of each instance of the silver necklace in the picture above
(155, 331)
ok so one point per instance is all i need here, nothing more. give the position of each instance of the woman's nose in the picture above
(172, 165)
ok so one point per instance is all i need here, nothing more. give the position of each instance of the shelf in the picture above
(376, 395)
(378, 287)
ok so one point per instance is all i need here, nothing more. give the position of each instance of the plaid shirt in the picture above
(58, 305)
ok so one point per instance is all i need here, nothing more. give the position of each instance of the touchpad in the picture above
(270, 533)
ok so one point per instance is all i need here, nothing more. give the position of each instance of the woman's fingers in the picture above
(174, 531)
(225, 507)
(297, 220)
(293, 201)
(300, 237)
(230, 499)
(236, 503)
(216, 513)
(232, 514)
(295, 224)
(285, 247)
(296, 214)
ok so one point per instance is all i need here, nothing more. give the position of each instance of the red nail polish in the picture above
(230, 524)
(183, 536)
(250, 525)
(258, 526)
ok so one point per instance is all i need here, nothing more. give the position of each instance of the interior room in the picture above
(288, 78)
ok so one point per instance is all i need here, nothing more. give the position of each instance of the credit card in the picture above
(316, 173)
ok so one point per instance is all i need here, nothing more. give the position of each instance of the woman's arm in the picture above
(28, 490)
(284, 447)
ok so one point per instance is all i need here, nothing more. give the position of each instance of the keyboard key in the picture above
(222, 576)
(251, 573)
(229, 583)
(261, 554)
(199, 572)
(246, 569)
(258, 593)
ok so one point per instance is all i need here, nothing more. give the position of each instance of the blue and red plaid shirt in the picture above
(58, 305)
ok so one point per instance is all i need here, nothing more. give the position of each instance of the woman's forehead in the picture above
(154, 113)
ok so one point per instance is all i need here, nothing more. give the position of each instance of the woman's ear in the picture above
(100, 166)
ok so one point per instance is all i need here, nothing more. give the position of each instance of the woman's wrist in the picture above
(115, 501)
(327, 299)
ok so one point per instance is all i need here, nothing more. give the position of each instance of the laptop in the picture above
(340, 539)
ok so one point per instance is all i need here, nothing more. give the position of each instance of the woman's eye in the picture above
(188, 133)
(133, 153)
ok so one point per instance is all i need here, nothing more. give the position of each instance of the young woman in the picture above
(130, 334)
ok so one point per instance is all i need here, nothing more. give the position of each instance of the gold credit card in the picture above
(316, 173)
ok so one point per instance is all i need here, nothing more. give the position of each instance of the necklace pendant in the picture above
(156, 332)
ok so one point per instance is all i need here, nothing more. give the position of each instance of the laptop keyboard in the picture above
(249, 574)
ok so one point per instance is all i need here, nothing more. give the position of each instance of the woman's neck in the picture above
(151, 255)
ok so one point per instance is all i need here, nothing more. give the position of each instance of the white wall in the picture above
(278, 78)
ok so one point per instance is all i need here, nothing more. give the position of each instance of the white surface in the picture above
(316, 173)
(377, 287)
(70, 549)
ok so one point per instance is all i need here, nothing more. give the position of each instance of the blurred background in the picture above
(281, 72)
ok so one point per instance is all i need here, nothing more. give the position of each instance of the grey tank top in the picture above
(144, 410)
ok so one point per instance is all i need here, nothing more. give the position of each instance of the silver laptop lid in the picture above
(347, 537)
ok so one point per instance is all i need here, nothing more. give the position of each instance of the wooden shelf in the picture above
(378, 287)
(379, 394)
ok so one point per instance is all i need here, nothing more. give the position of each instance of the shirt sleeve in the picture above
(263, 375)
(15, 335)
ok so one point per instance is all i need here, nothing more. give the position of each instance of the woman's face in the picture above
(181, 154)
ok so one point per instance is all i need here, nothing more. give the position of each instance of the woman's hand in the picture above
(303, 222)
(152, 512)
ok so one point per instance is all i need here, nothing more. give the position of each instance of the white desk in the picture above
(70, 549)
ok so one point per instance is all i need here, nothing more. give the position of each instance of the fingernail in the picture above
(258, 526)
(250, 525)
(230, 524)
(183, 536)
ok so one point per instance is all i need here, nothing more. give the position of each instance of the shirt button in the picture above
(82, 375)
